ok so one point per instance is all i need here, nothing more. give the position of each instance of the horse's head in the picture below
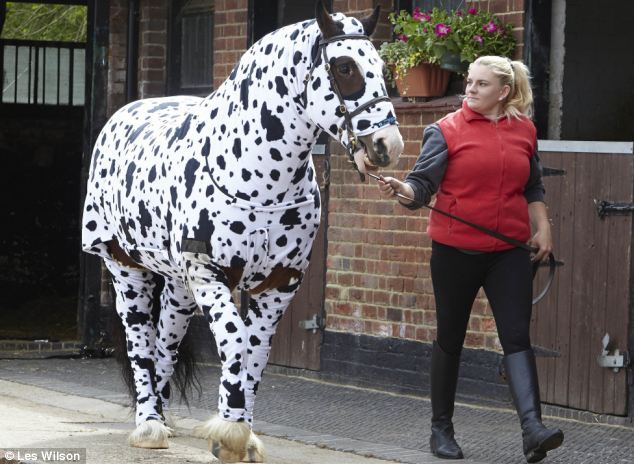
(345, 91)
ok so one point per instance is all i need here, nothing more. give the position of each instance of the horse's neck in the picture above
(260, 138)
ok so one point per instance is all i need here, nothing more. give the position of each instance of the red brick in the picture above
(153, 51)
(380, 297)
(333, 292)
(152, 63)
(422, 334)
(515, 19)
(488, 325)
(153, 75)
(475, 324)
(154, 25)
(474, 340)
(369, 312)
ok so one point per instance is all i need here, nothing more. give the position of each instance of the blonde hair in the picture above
(516, 75)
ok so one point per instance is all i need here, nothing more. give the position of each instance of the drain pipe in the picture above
(132, 51)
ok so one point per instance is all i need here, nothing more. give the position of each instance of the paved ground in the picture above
(332, 417)
(29, 420)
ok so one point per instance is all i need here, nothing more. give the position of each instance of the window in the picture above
(42, 54)
(191, 48)
(425, 5)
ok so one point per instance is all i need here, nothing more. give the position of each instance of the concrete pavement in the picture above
(34, 417)
(301, 419)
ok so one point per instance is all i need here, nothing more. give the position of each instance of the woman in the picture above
(482, 163)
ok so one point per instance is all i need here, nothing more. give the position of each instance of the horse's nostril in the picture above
(379, 146)
(383, 161)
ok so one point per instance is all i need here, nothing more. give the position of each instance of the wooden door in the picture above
(294, 345)
(591, 294)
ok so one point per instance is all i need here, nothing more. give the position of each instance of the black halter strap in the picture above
(353, 141)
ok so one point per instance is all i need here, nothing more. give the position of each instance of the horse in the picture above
(219, 193)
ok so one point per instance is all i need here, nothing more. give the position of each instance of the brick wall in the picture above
(117, 54)
(509, 11)
(152, 61)
(361, 8)
(153, 48)
(230, 36)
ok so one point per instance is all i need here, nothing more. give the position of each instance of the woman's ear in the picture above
(504, 92)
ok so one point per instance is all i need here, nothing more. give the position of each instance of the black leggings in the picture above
(508, 283)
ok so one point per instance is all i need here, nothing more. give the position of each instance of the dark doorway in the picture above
(41, 123)
(598, 95)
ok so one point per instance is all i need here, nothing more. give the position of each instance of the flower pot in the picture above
(423, 80)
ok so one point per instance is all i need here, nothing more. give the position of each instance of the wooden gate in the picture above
(591, 295)
(294, 345)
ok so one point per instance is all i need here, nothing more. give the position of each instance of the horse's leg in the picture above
(265, 312)
(177, 308)
(134, 287)
(228, 432)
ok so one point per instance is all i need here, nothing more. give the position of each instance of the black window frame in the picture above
(179, 11)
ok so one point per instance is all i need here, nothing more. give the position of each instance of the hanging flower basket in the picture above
(423, 80)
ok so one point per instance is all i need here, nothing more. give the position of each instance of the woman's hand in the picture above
(389, 186)
(542, 240)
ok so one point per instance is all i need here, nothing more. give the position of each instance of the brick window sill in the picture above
(450, 103)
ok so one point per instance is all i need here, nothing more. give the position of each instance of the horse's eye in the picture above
(344, 68)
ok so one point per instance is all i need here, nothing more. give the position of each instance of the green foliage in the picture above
(37, 21)
(450, 39)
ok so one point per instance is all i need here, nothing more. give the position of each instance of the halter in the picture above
(353, 141)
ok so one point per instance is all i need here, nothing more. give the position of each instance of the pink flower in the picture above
(458, 13)
(403, 38)
(478, 38)
(490, 27)
(420, 16)
(473, 11)
(442, 29)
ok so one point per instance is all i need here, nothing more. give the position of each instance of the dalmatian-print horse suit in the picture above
(220, 192)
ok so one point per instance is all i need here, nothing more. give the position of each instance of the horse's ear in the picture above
(326, 24)
(369, 22)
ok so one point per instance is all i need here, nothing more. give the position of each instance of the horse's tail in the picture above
(186, 376)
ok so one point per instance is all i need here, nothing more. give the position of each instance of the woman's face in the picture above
(484, 92)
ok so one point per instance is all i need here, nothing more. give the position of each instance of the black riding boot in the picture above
(444, 379)
(521, 373)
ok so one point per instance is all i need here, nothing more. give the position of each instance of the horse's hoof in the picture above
(227, 440)
(255, 449)
(225, 455)
(150, 434)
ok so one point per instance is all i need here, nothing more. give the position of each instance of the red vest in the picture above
(487, 170)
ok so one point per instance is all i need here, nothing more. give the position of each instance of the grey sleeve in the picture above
(534, 189)
(430, 166)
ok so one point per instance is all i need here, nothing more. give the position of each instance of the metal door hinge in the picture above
(610, 207)
(546, 171)
(314, 324)
(615, 361)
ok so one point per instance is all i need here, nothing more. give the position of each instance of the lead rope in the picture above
(552, 262)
